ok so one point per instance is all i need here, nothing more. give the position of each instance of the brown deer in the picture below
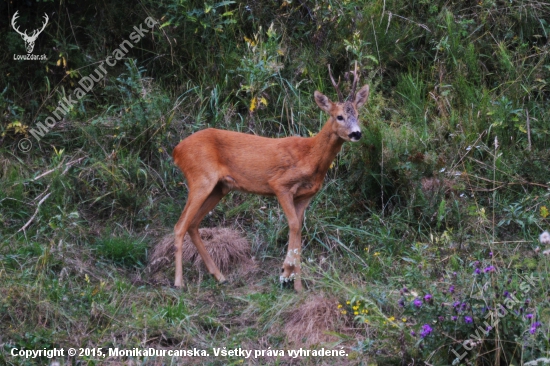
(216, 162)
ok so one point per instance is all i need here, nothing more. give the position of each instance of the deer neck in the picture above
(326, 144)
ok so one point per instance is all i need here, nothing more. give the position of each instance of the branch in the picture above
(36, 211)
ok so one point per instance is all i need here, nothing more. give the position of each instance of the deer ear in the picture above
(322, 101)
(361, 96)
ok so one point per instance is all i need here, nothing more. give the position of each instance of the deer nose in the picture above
(355, 136)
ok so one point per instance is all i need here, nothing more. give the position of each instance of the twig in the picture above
(468, 151)
(528, 131)
(382, 176)
(424, 26)
(72, 29)
(36, 211)
(67, 166)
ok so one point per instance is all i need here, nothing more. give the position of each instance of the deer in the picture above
(215, 162)
(29, 40)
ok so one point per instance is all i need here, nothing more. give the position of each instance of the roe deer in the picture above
(215, 162)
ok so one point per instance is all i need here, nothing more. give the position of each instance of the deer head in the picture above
(344, 113)
(29, 40)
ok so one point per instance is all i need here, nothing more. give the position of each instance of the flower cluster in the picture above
(426, 331)
(448, 309)
(357, 308)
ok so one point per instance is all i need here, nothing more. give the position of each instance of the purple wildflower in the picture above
(426, 331)
(452, 289)
(491, 254)
(529, 316)
(428, 298)
(454, 318)
(489, 269)
(441, 318)
(401, 302)
(413, 333)
(534, 327)
(468, 320)
(506, 294)
(477, 271)
(417, 303)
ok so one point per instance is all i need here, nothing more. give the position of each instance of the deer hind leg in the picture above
(215, 196)
(198, 194)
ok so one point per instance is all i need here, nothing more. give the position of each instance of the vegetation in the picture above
(425, 233)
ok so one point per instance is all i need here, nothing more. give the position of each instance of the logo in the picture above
(29, 40)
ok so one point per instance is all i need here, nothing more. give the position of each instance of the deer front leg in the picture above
(294, 212)
(294, 255)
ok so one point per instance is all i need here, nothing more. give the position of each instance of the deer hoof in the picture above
(285, 279)
(298, 285)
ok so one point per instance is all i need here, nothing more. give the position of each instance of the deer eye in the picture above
(340, 118)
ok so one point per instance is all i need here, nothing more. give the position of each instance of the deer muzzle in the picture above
(355, 135)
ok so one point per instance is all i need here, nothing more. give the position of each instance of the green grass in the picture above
(122, 250)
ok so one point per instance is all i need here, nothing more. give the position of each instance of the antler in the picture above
(36, 31)
(340, 97)
(15, 16)
(354, 85)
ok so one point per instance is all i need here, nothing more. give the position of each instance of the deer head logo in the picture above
(29, 40)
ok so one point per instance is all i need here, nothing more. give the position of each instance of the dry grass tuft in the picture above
(310, 323)
(431, 186)
(228, 248)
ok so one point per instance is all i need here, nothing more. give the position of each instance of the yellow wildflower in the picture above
(253, 104)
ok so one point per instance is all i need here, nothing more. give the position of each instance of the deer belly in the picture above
(231, 184)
